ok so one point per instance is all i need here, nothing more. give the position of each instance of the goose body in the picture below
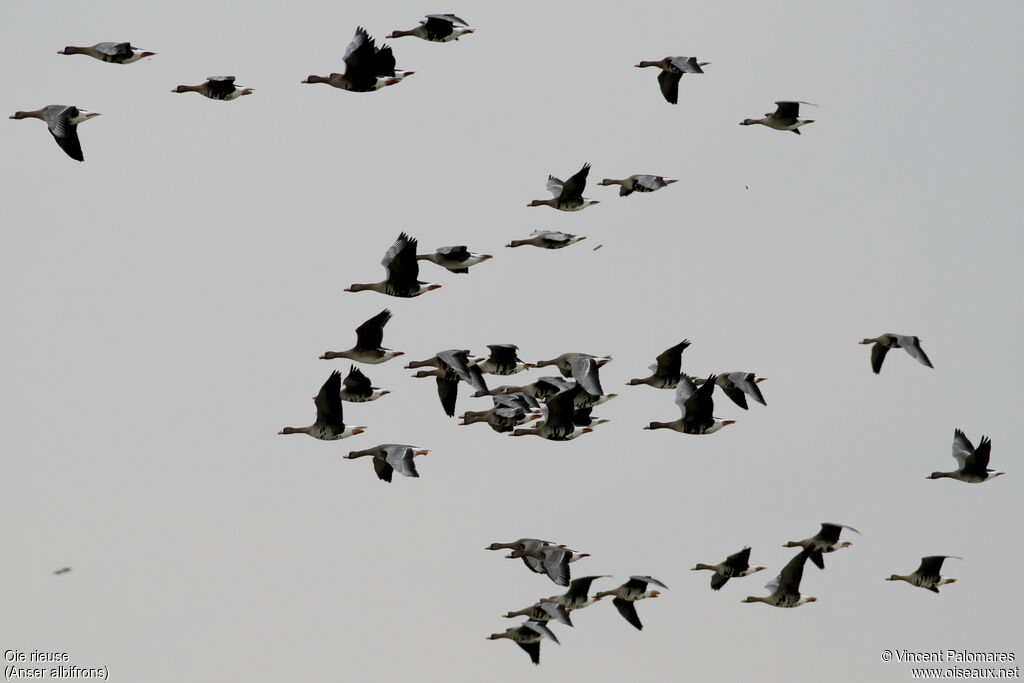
(554, 560)
(825, 541)
(503, 360)
(403, 272)
(639, 183)
(450, 368)
(436, 28)
(972, 463)
(391, 457)
(509, 411)
(785, 117)
(786, 586)
(368, 347)
(672, 70)
(883, 343)
(217, 88)
(62, 120)
(115, 53)
(528, 637)
(696, 407)
(927, 574)
(737, 386)
(576, 597)
(568, 195)
(666, 370)
(628, 593)
(367, 67)
(558, 423)
(329, 425)
(357, 388)
(457, 259)
(735, 566)
(548, 239)
(542, 611)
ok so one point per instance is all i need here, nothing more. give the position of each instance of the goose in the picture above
(568, 196)
(639, 183)
(558, 424)
(391, 457)
(972, 463)
(825, 541)
(452, 367)
(368, 347)
(509, 411)
(783, 118)
(554, 559)
(576, 596)
(666, 370)
(737, 386)
(543, 611)
(116, 53)
(548, 239)
(62, 120)
(437, 28)
(403, 272)
(329, 425)
(503, 360)
(672, 70)
(696, 406)
(456, 259)
(528, 637)
(543, 388)
(63, 570)
(786, 586)
(883, 343)
(734, 567)
(357, 388)
(564, 362)
(367, 67)
(927, 574)
(628, 593)
(217, 88)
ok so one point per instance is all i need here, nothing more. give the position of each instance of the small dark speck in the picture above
(63, 570)
(747, 187)
(598, 247)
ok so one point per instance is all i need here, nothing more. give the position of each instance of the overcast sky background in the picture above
(166, 301)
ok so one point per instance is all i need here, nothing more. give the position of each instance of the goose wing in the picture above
(370, 334)
(574, 186)
(401, 459)
(65, 132)
(962, 448)
(745, 382)
(878, 352)
(585, 372)
(401, 264)
(670, 360)
(739, 562)
(357, 383)
(912, 345)
(978, 460)
(669, 82)
(627, 609)
(328, 403)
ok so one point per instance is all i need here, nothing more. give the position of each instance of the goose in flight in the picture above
(368, 347)
(542, 611)
(565, 362)
(568, 195)
(437, 28)
(639, 183)
(503, 360)
(62, 120)
(528, 637)
(825, 541)
(451, 367)
(559, 418)
(391, 457)
(734, 566)
(666, 370)
(883, 343)
(548, 239)
(457, 259)
(697, 408)
(552, 560)
(403, 272)
(367, 67)
(672, 70)
(116, 53)
(358, 389)
(972, 463)
(785, 117)
(329, 425)
(786, 586)
(927, 574)
(217, 88)
(509, 411)
(628, 593)
(737, 386)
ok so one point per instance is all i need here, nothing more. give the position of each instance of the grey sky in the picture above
(167, 299)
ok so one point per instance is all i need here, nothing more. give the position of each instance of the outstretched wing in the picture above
(628, 611)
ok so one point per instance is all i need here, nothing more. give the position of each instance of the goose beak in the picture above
(669, 181)
(357, 430)
(147, 54)
(247, 91)
(422, 451)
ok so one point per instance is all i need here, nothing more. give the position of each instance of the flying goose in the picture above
(564, 362)
(357, 388)
(116, 53)
(734, 567)
(403, 272)
(737, 386)
(554, 559)
(696, 406)
(367, 67)
(541, 389)
(509, 411)
(62, 120)
(543, 611)
(825, 541)
(503, 360)
(329, 425)
(216, 88)
(456, 259)
(63, 570)
(972, 463)
(667, 369)
(576, 596)
(672, 70)
(639, 183)
(437, 28)
(786, 586)
(883, 343)
(391, 457)
(528, 637)
(548, 239)
(927, 574)
(368, 347)
(628, 593)
(559, 423)
(785, 117)
(568, 196)
(452, 366)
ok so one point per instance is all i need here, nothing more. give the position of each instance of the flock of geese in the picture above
(559, 407)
